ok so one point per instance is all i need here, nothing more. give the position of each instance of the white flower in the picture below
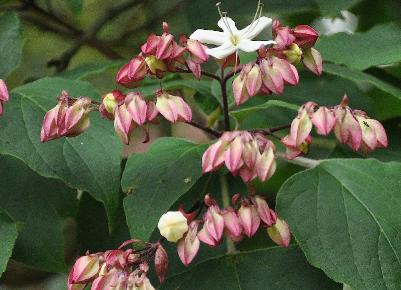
(173, 225)
(231, 39)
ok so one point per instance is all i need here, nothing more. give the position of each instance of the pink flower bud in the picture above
(305, 35)
(313, 61)
(254, 80)
(188, 246)
(77, 117)
(197, 50)
(194, 67)
(288, 72)
(213, 157)
(214, 222)
(108, 281)
(132, 73)
(109, 102)
(84, 269)
(239, 89)
(324, 120)
(347, 129)
(151, 44)
(300, 130)
(373, 133)
(249, 219)
(51, 122)
(267, 216)
(284, 38)
(173, 108)
(271, 76)
(156, 66)
(117, 258)
(280, 233)
(123, 124)
(266, 163)
(152, 112)
(232, 223)
(164, 46)
(137, 107)
(233, 155)
(161, 263)
(4, 96)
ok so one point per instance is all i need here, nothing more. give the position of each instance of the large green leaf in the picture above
(28, 199)
(10, 43)
(388, 101)
(90, 162)
(333, 8)
(8, 234)
(380, 45)
(156, 179)
(269, 269)
(345, 216)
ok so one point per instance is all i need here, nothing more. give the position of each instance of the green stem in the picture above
(225, 195)
(301, 161)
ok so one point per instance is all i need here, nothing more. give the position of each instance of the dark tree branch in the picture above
(90, 35)
(215, 133)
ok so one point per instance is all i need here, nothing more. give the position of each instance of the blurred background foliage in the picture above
(90, 39)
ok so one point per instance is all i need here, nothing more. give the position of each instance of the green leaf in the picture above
(10, 43)
(271, 268)
(388, 103)
(333, 8)
(8, 234)
(345, 216)
(89, 69)
(156, 179)
(379, 45)
(27, 198)
(241, 114)
(89, 162)
(75, 6)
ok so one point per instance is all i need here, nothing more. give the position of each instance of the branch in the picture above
(215, 133)
(203, 73)
(223, 85)
(90, 35)
(301, 161)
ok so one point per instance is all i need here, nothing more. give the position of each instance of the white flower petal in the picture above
(209, 36)
(222, 51)
(227, 21)
(253, 29)
(249, 45)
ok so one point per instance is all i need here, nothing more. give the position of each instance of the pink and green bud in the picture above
(213, 157)
(123, 124)
(233, 154)
(267, 215)
(173, 108)
(51, 122)
(271, 76)
(197, 51)
(240, 91)
(313, 61)
(77, 117)
(305, 35)
(283, 37)
(132, 73)
(324, 120)
(232, 224)
(137, 107)
(254, 80)
(373, 133)
(150, 46)
(280, 233)
(161, 263)
(293, 53)
(214, 223)
(108, 281)
(164, 48)
(249, 219)
(347, 128)
(288, 71)
(85, 269)
(188, 246)
(109, 103)
(4, 96)
(266, 163)
(152, 112)
(194, 67)
(156, 66)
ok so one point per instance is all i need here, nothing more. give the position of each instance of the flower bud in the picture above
(51, 122)
(137, 107)
(4, 96)
(233, 155)
(249, 219)
(188, 246)
(232, 223)
(266, 163)
(84, 269)
(293, 54)
(164, 46)
(284, 37)
(117, 258)
(213, 157)
(194, 67)
(197, 50)
(214, 222)
(288, 71)
(267, 216)
(239, 89)
(271, 76)
(108, 281)
(109, 102)
(324, 120)
(77, 117)
(305, 35)
(132, 73)
(173, 108)
(161, 262)
(313, 61)
(373, 133)
(280, 233)
(156, 66)
(123, 124)
(254, 80)
(300, 130)
(173, 225)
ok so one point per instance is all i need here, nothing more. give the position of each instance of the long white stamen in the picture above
(223, 16)
(256, 18)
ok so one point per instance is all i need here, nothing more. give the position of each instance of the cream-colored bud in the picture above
(173, 225)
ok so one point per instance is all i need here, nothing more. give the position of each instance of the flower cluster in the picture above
(162, 54)
(69, 118)
(351, 127)
(118, 269)
(4, 97)
(274, 66)
(245, 154)
(241, 219)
